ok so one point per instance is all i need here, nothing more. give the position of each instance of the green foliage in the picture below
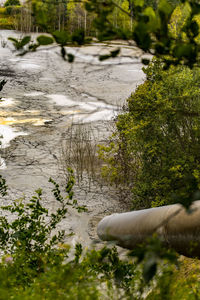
(31, 229)
(103, 11)
(6, 23)
(100, 274)
(151, 253)
(36, 267)
(36, 264)
(12, 3)
(61, 37)
(155, 150)
(25, 44)
(78, 37)
(178, 283)
(44, 40)
(19, 44)
(150, 28)
(167, 29)
(10, 10)
(33, 257)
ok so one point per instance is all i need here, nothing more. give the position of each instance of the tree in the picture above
(151, 30)
(12, 3)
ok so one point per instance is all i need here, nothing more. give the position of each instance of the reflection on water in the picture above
(9, 118)
(69, 112)
(5, 114)
(88, 110)
(13, 121)
(7, 133)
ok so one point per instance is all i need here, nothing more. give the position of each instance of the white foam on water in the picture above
(62, 100)
(8, 133)
(103, 115)
(2, 164)
(34, 94)
(29, 66)
(87, 106)
(101, 104)
(14, 59)
(6, 102)
(95, 111)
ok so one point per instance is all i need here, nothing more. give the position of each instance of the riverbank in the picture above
(46, 96)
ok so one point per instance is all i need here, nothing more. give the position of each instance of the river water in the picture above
(43, 96)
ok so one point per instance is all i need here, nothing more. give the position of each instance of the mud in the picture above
(43, 96)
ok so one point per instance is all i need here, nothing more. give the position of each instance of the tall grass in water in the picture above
(79, 151)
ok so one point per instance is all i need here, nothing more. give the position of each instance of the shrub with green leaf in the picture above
(155, 150)
(36, 264)
(30, 233)
(12, 3)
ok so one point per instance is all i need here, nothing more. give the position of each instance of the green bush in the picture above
(155, 149)
(12, 10)
(36, 264)
(6, 23)
(12, 3)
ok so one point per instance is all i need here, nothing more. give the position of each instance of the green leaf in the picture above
(78, 37)
(183, 50)
(145, 61)
(142, 36)
(149, 269)
(44, 40)
(152, 20)
(114, 53)
(165, 7)
(139, 3)
(160, 48)
(13, 39)
(25, 40)
(194, 27)
(70, 57)
(61, 37)
(195, 8)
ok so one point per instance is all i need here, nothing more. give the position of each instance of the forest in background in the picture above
(51, 15)
(55, 15)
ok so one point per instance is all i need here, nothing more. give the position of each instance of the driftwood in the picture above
(176, 227)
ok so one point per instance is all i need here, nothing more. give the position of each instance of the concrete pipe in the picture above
(177, 228)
